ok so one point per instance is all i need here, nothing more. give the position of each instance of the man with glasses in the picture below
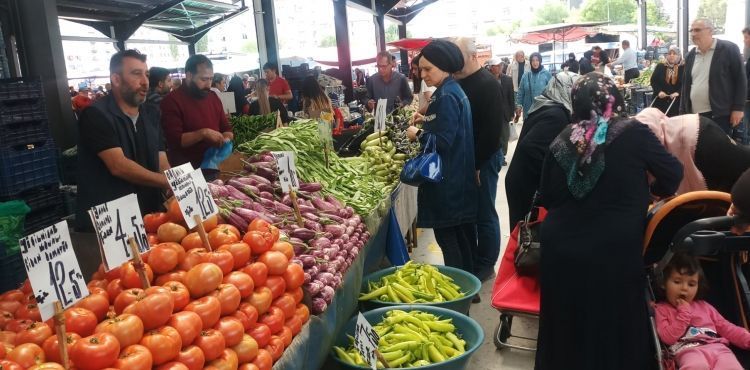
(715, 85)
(120, 147)
(388, 84)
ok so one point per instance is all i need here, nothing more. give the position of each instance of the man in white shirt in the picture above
(629, 62)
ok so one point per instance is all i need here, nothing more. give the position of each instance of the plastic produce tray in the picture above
(27, 166)
(18, 133)
(20, 88)
(39, 219)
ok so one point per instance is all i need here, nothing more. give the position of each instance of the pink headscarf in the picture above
(679, 135)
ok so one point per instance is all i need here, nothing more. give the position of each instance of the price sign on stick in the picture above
(192, 194)
(115, 222)
(287, 171)
(53, 268)
(380, 113)
(366, 341)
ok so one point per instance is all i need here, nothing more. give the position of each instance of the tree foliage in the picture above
(655, 15)
(551, 12)
(327, 41)
(250, 47)
(616, 11)
(715, 11)
(503, 29)
(391, 33)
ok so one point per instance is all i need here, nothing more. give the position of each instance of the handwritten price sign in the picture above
(366, 341)
(287, 171)
(192, 194)
(53, 269)
(115, 222)
(380, 113)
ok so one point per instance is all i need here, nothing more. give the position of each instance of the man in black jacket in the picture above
(491, 132)
(496, 67)
(715, 85)
(743, 132)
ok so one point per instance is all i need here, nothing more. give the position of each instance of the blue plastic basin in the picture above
(467, 329)
(468, 283)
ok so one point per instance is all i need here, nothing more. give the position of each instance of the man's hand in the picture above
(213, 137)
(736, 117)
(371, 105)
(411, 133)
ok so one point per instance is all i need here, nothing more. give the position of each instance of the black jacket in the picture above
(508, 103)
(727, 85)
(490, 132)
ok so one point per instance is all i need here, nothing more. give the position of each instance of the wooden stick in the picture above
(202, 233)
(138, 263)
(166, 202)
(382, 359)
(293, 195)
(61, 337)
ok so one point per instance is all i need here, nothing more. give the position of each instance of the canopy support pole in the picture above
(403, 52)
(342, 44)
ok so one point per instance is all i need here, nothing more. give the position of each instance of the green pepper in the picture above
(343, 356)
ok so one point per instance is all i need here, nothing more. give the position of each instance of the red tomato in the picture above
(29, 312)
(261, 333)
(26, 286)
(129, 277)
(286, 336)
(208, 308)
(261, 299)
(227, 361)
(192, 357)
(173, 211)
(263, 360)
(203, 279)
(10, 365)
(277, 286)
(286, 303)
(27, 355)
(134, 357)
(152, 221)
(99, 283)
(242, 317)
(284, 247)
(164, 344)
(274, 318)
(257, 271)
(275, 347)
(259, 225)
(275, 261)
(51, 346)
(95, 352)
(13, 295)
(188, 324)
(232, 330)
(240, 252)
(193, 257)
(18, 325)
(220, 236)
(35, 333)
(178, 276)
(171, 232)
(127, 297)
(10, 306)
(127, 328)
(114, 288)
(98, 304)
(248, 366)
(229, 297)
(294, 276)
(174, 365)
(47, 366)
(6, 316)
(303, 312)
(211, 342)
(80, 321)
(242, 281)
(8, 337)
(230, 228)
(294, 323)
(152, 239)
(251, 312)
(246, 349)
(192, 241)
(153, 309)
(259, 242)
(179, 293)
(211, 223)
(222, 258)
(163, 258)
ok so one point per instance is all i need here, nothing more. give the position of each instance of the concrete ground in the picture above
(488, 356)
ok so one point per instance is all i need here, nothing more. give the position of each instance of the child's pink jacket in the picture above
(701, 319)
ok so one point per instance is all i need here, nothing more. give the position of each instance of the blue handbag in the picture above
(425, 167)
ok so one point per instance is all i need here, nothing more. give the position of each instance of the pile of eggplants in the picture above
(325, 244)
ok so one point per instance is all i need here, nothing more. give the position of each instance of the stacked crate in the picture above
(28, 155)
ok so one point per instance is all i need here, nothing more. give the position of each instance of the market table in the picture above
(404, 205)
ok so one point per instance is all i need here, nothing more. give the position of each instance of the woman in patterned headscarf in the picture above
(595, 187)
(667, 82)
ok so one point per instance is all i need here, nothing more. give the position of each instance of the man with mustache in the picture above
(121, 147)
(193, 118)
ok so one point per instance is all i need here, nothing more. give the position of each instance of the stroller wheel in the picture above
(502, 332)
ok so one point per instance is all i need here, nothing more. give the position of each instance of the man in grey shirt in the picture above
(387, 84)
(629, 62)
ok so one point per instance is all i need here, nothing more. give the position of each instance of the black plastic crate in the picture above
(18, 133)
(24, 110)
(42, 218)
(12, 272)
(23, 167)
(20, 88)
(40, 197)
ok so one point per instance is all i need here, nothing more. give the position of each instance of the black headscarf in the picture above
(444, 55)
(538, 56)
(238, 88)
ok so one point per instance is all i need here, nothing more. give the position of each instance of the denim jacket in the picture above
(452, 201)
(531, 85)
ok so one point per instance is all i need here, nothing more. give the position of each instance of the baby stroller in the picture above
(722, 254)
(515, 295)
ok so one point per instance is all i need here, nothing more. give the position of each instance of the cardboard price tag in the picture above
(380, 114)
(366, 341)
(53, 269)
(287, 171)
(192, 194)
(115, 222)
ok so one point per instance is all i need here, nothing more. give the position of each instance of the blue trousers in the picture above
(488, 222)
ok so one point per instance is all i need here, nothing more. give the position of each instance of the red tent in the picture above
(410, 44)
(563, 32)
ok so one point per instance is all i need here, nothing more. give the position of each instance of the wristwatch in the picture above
(419, 133)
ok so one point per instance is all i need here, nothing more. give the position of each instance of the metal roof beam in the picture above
(187, 34)
(216, 4)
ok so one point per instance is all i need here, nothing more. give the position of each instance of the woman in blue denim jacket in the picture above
(448, 207)
(532, 83)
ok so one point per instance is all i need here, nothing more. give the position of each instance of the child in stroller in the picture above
(697, 335)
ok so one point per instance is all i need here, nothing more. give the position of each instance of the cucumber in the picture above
(399, 156)
(374, 135)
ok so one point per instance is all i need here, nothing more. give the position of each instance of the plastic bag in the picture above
(12, 216)
(214, 156)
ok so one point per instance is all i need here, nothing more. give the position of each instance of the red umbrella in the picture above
(557, 32)
(410, 44)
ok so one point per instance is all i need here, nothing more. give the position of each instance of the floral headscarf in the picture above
(579, 149)
(672, 75)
